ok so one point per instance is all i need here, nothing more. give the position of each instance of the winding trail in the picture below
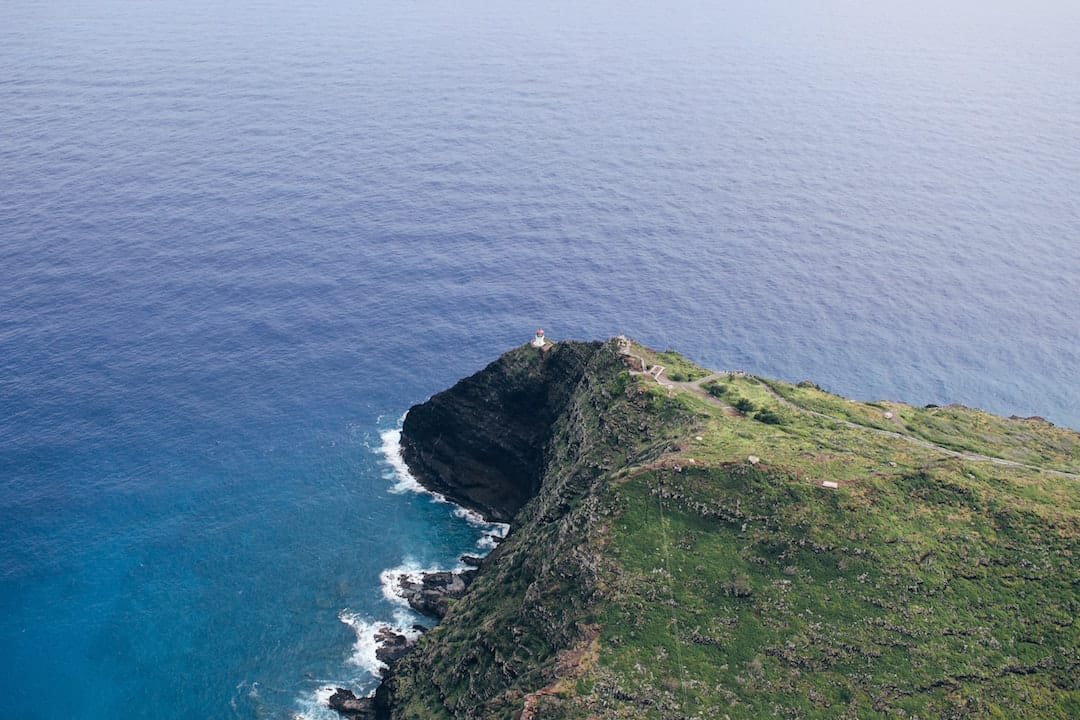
(695, 387)
(965, 455)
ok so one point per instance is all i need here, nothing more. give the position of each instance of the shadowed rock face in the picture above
(431, 595)
(352, 707)
(585, 458)
(482, 442)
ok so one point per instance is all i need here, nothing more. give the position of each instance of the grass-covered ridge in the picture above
(1031, 441)
(684, 560)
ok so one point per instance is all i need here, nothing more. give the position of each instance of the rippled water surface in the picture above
(238, 240)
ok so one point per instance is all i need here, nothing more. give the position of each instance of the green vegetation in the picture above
(685, 561)
(677, 368)
(744, 590)
(714, 388)
(770, 417)
(744, 406)
(1030, 441)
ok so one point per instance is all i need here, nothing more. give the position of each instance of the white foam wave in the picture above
(487, 542)
(390, 580)
(391, 450)
(404, 621)
(316, 705)
(404, 482)
(363, 654)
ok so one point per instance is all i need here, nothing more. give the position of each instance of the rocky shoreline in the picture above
(348, 705)
(430, 595)
(582, 611)
(479, 444)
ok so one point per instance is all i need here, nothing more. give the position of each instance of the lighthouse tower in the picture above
(538, 341)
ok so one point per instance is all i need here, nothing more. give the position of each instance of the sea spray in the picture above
(391, 452)
(391, 578)
(365, 649)
(405, 481)
(316, 705)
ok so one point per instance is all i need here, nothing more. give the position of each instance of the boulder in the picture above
(431, 595)
(391, 645)
(348, 705)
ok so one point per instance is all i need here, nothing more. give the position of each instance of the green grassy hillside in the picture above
(684, 560)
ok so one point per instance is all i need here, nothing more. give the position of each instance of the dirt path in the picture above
(913, 439)
(696, 387)
(656, 373)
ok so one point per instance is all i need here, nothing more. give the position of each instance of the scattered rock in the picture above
(431, 595)
(352, 707)
(472, 560)
(1032, 418)
(391, 645)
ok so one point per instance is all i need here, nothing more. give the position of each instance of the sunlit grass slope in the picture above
(686, 560)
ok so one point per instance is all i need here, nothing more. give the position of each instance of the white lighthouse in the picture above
(538, 341)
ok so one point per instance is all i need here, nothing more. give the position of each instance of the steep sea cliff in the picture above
(693, 544)
(482, 442)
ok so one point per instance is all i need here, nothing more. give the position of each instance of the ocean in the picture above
(239, 240)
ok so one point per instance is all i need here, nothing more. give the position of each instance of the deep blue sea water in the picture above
(238, 240)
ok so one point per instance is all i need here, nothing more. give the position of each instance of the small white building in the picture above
(538, 341)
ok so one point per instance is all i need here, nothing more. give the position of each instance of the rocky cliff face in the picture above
(482, 442)
(529, 439)
(671, 556)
